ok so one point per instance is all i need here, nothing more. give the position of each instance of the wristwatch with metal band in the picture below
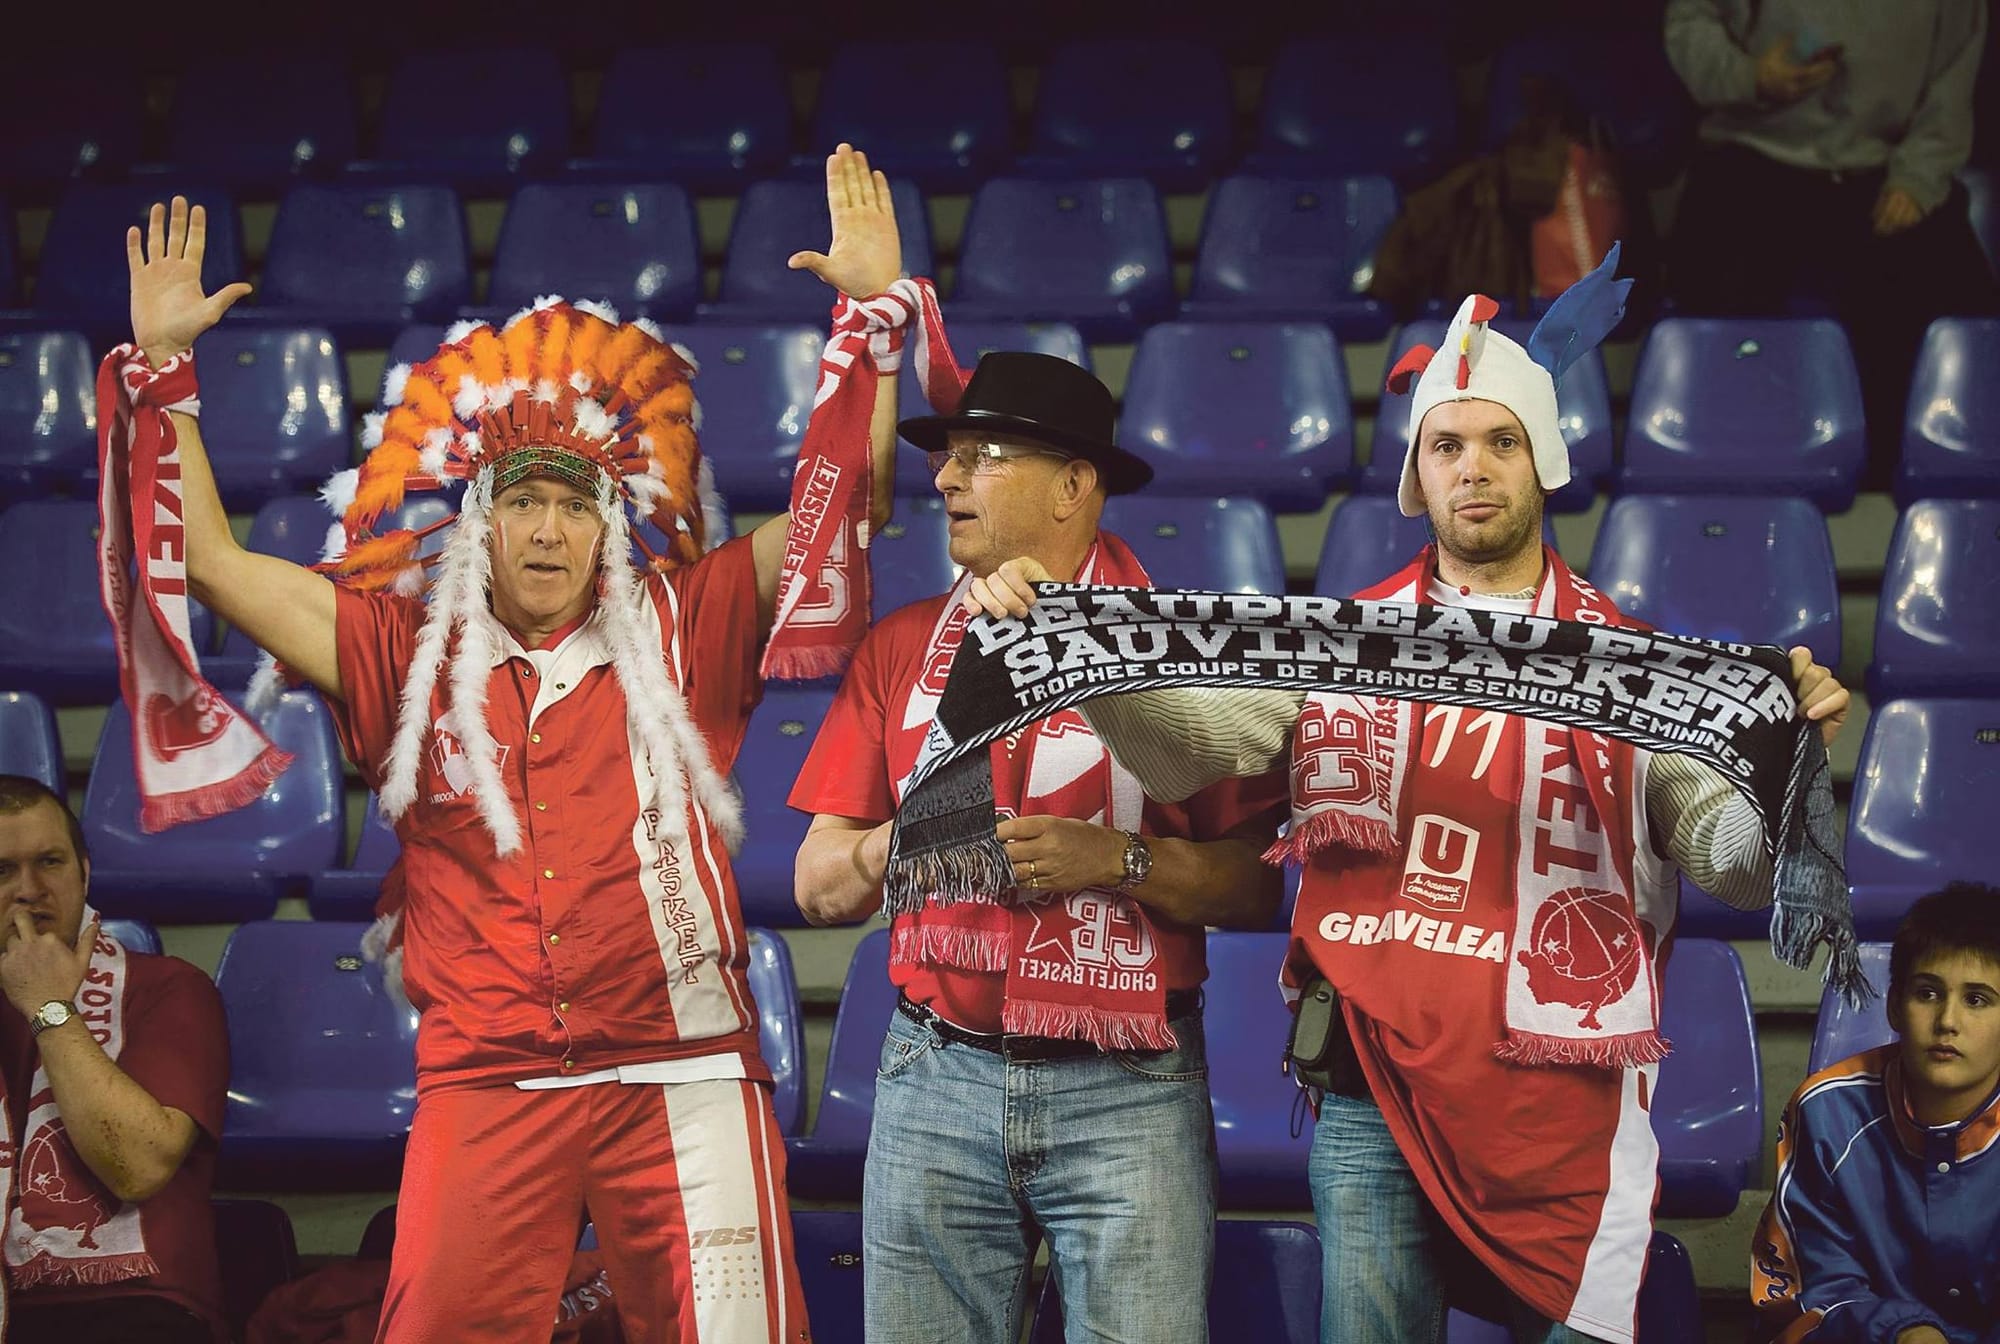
(51, 1014)
(1138, 861)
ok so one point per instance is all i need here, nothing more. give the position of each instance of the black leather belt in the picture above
(1029, 1049)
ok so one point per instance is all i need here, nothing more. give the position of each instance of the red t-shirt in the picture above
(848, 774)
(177, 1049)
(596, 944)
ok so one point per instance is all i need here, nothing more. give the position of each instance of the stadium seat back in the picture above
(1708, 1111)
(1842, 1029)
(69, 119)
(780, 1027)
(1920, 816)
(350, 892)
(1951, 428)
(1358, 103)
(232, 866)
(1368, 539)
(756, 391)
(826, 1164)
(135, 935)
(1241, 408)
(1746, 406)
(256, 1251)
(48, 411)
(1225, 545)
(485, 115)
(780, 734)
(257, 122)
(1750, 570)
(368, 260)
(772, 217)
(972, 341)
(1937, 626)
(632, 246)
(322, 1057)
(721, 112)
(1161, 107)
(1265, 1286)
(963, 132)
(1261, 1162)
(1619, 79)
(29, 745)
(1092, 251)
(1583, 413)
(79, 276)
(827, 1245)
(1294, 248)
(274, 410)
(910, 558)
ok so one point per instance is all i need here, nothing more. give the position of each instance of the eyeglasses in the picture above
(983, 459)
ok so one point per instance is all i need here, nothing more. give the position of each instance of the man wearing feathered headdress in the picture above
(550, 731)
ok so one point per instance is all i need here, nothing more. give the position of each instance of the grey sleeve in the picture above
(1178, 741)
(1717, 70)
(1939, 139)
(1710, 830)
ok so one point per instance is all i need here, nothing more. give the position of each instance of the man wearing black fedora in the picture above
(1044, 1075)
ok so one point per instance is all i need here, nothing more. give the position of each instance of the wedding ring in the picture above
(1031, 872)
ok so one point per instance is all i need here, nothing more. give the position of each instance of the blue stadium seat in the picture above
(1749, 569)
(234, 866)
(910, 558)
(322, 1078)
(1704, 916)
(1241, 408)
(756, 391)
(256, 1250)
(1746, 406)
(1708, 1112)
(1368, 539)
(263, 121)
(1224, 545)
(1937, 626)
(1844, 1030)
(1302, 249)
(1266, 1286)
(1262, 1165)
(971, 341)
(68, 117)
(870, 94)
(780, 734)
(1092, 251)
(348, 893)
(1920, 816)
(1669, 1303)
(367, 260)
(29, 744)
(707, 115)
(779, 217)
(1358, 103)
(1158, 107)
(80, 277)
(827, 1246)
(630, 245)
(1621, 79)
(1985, 213)
(1583, 411)
(291, 527)
(826, 1164)
(136, 935)
(1951, 430)
(481, 118)
(54, 637)
(274, 410)
(780, 1037)
(48, 411)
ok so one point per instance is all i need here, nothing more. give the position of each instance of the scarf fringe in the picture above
(809, 663)
(1103, 1029)
(948, 945)
(962, 873)
(47, 1271)
(1331, 829)
(1615, 1052)
(1795, 933)
(158, 812)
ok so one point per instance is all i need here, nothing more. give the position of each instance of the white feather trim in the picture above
(714, 512)
(580, 380)
(335, 545)
(546, 390)
(338, 491)
(597, 309)
(594, 421)
(685, 354)
(371, 430)
(694, 415)
(409, 582)
(650, 327)
(260, 697)
(431, 456)
(394, 382)
(470, 399)
(458, 331)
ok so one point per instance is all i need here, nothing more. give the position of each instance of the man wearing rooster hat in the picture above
(1486, 899)
(550, 731)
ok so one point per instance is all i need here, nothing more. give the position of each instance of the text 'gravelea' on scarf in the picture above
(1729, 706)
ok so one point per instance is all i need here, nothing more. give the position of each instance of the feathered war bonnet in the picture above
(562, 390)
(1478, 363)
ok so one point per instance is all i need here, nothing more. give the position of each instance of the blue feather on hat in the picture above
(1580, 318)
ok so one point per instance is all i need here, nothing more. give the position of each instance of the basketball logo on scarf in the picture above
(1586, 951)
(188, 724)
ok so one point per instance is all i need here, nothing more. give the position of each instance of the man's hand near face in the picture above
(38, 967)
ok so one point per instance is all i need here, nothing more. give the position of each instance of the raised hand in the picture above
(866, 255)
(168, 308)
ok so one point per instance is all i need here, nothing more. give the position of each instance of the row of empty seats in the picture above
(1264, 409)
(713, 112)
(1926, 766)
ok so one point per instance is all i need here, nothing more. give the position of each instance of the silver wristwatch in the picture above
(1138, 861)
(51, 1014)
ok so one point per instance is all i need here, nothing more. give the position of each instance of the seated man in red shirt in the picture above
(115, 1068)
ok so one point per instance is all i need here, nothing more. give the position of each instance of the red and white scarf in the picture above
(193, 753)
(823, 582)
(1568, 999)
(63, 1227)
(1092, 965)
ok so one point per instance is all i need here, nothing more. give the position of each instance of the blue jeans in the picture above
(972, 1159)
(1383, 1247)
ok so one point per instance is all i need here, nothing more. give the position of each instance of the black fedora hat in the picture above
(1044, 399)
